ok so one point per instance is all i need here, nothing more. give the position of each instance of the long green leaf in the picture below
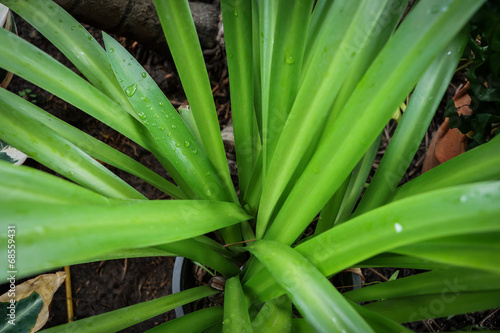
(25, 184)
(400, 261)
(292, 23)
(479, 251)
(173, 137)
(478, 164)
(54, 151)
(51, 235)
(69, 36)
(191, 322)
(430, 28)
(237, 35)
(87, 143)
(409, 309)
(323, 75)
(34, 65)
(431, 215)
(446, 281)
(177, 23)
(117, 320)
(314, 296)
(412, 127)
(236, 316)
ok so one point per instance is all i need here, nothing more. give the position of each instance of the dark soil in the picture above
(108, 285)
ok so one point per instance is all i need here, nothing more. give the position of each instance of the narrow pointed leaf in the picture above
(34, 65)
(479, 251)
(236, 316)
(447, 281)
(87, 143)
(409, 309)
(52, 150)
(403, 222)
(237, 35)
(173, 137)
(412, 127)
(478, 164)
(191, 322)
(51, 235)
(177, 23)
(25, 184)
(314, 296)
(330, 63)
(120, 319)
(430, 28)
(76, 43)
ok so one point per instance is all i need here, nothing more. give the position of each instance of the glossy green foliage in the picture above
(313, 83)
(178, 25)
(174, 139)
(117, 320)
(314, 296)
(236, 316)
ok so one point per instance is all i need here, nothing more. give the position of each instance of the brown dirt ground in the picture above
(108, 285)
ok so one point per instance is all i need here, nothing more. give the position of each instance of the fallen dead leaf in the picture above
(449, 142)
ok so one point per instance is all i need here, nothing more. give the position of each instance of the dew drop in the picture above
(235, 12)
(111, 50)
(438, 9)
(195, 152)
(160, 103)
(145, 99)
(67, 147)
(398, 227)
(187, 143)
(144, 74)
(142, 115)
(463, 199)
(289, 59)
(130, 91)
(174, 127)
(177, 144)
(161, 128)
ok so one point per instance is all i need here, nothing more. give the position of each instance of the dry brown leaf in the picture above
(45, 285)
(449, 142)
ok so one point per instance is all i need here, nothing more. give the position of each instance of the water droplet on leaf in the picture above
(130, 91)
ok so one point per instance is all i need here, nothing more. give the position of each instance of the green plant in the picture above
(310, 95)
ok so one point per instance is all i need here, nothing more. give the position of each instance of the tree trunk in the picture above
(137, 20)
